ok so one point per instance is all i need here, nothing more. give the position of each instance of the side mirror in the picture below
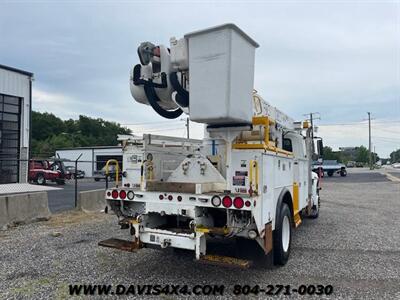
(320, 147)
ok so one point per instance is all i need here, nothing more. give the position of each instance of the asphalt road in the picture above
(354, 246)
(64, 199)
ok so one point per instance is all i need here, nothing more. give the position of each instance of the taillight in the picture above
(247, 203)
(122, 194)
(179, 198)
(227, 201)
(161, 197)
(238, 202)
(170, 197)
(114, 194)
(108, 194)
(131, 195)
(216, 200)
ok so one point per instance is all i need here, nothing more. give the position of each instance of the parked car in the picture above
(101, 174)
(330, 167)
(359, 164)
(41, 171)
(79, 173)
(351, 164)
(396, 165)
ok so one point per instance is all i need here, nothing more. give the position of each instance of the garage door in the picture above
(10, 116)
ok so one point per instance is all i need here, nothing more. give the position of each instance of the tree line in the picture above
(50, 133)
(360, 154)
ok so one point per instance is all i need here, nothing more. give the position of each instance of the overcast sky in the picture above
(340, 59)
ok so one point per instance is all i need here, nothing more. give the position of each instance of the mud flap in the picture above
(268, 238)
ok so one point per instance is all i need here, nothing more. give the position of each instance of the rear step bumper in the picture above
(226, 261)
(123, 245)
(163, 238)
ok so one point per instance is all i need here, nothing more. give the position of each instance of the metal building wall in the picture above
(88, 160)
(19, 83)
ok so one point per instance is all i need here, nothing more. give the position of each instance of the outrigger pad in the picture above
(226, 261)
(120, 244)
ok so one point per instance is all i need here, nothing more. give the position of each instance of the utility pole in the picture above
(312, 118)
(187, 127)
(374, 158)
(369, 140)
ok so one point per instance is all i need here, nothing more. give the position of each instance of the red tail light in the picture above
(247, 203)
(238, 202)
(227, 201)
(170, 197)
(161, 197)
(114, 194)
(122, 194)
(108, 194)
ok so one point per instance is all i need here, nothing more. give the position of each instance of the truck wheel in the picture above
(282, 236)
(314, 212)
(40, 179)
(330, 173)
(343, 173)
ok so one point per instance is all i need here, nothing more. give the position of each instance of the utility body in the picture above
(249, 179)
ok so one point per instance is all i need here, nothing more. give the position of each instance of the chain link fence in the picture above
(71, 175)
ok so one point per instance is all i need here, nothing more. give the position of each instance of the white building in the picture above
(92, 159)
(15, 115)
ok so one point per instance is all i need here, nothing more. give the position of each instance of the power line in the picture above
(358, 123)
(389, 131)
(387, 138)
(162, 129)
(145, 123)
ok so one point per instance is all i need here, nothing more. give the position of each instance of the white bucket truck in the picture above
(249, 179)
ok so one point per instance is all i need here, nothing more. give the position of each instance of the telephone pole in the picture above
(369, 140)
(312, 118)
(187, 127)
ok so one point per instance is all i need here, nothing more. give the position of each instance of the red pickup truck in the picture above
(41, 171)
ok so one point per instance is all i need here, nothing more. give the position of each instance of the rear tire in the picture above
(40, 179)
(314, 212)
(60, 181)
(282, 236)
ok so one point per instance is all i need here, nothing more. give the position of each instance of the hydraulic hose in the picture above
(182, 96)
(153, 100)
(151, 94)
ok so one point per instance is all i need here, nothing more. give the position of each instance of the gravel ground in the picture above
(354, 246)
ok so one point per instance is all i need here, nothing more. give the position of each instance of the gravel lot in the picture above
(354, 246)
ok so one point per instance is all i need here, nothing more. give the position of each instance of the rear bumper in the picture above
(164, 239)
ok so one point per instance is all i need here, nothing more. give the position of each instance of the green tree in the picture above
(45, 125)
(50, 133)
(395, 156)
(362, 154)
(329, 154)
